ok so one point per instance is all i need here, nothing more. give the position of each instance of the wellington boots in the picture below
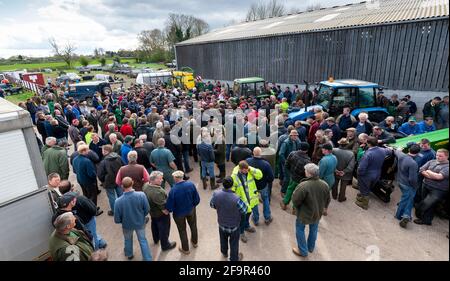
(359, 197)
(204, 183)
(213, 183)
(221, 177)
(363, 203)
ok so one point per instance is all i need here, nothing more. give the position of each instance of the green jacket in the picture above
(56, 161)
(309, 199)
(74, 246)
(157, 199)
(252, 175)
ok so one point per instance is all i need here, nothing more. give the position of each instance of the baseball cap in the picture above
(66, 199)
(412, 119)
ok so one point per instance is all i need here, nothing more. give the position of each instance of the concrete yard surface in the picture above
(348, 233)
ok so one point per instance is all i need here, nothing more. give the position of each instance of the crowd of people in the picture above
(127, 143)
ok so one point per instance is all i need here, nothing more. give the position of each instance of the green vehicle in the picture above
(250, 87)
(438, 139)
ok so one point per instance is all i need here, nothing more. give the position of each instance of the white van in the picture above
(153, 78)
(25, 210)
(104, 77)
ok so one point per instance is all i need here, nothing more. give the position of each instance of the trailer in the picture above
(25, 210)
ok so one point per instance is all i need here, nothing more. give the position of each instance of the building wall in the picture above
(408, 56)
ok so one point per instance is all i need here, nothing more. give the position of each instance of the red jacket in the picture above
(126, 130)
(312, 132)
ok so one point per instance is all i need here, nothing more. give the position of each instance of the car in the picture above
(85, 91)
(83, 69)
(172, 64)
(70, 77)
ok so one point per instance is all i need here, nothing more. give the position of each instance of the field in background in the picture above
(62, 65)
(20, 97)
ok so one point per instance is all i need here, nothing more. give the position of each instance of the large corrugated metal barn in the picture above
(401, 44)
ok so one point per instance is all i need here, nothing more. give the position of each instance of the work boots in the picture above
(204, 183)
(363, 202)
(213, 183)
(220, 177)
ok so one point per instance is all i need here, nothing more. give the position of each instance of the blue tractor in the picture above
(333, 95)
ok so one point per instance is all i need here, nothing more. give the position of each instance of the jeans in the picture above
(245, 223)
(266, 206)
(406, 202)
(233, 239)
(207, 167)
(301, 239)
(113, 194)
(186, 160)
(181, 225)
(128, 236)
(269, 191)
(425, 209)
(161, 230)
(98, 240)
(228, 149)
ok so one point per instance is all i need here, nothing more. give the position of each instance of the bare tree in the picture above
(150, 40)
(314, 7)
(263, 10)
(66, 53)
(294, 10)
(181, 27)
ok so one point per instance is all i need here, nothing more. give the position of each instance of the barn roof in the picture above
(339, 17)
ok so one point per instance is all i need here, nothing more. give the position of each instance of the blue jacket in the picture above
(85, 170)
(425, 128)
(183, 197)
(206, 152)
(124, 150)
(426, 155)
(265, 168)
(327, 167)
(371, 163)
(48, 128)
(76, 112)
(410, 130)
(130, 210)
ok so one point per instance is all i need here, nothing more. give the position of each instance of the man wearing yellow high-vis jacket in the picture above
(244, 186)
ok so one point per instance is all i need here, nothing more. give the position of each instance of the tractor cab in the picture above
(249, 87)
(361, 96)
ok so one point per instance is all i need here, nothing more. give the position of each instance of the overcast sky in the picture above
(109, 24)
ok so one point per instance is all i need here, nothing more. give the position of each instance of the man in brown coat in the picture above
(136, 172)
